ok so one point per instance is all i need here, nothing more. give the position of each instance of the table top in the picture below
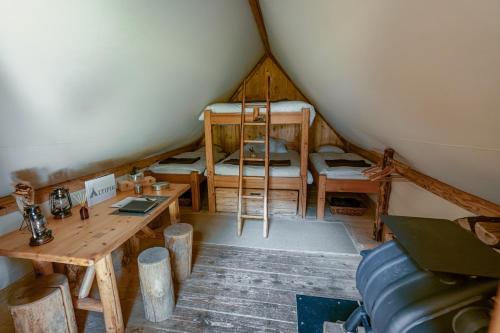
(84, 242)
(443, 246)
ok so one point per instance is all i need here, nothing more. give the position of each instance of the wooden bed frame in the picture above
(326, 185)
(194, 179)
(275, 183)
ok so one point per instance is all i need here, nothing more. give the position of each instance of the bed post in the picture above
(210, 161)
(195, 191)
(320, 205)
(304, 155)
(384, 193)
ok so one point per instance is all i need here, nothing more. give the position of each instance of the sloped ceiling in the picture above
(422, 77)
(86, 85)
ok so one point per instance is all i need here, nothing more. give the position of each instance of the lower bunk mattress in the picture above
(177, 168)
(319, 161)
(293, 170)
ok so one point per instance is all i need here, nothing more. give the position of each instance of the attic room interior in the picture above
(250, 166)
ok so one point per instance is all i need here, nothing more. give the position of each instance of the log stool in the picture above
(43, 306)
(157, 288)
(179, 242)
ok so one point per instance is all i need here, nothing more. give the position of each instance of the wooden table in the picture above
(90, 243)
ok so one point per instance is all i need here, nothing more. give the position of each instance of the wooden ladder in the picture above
(257, 120)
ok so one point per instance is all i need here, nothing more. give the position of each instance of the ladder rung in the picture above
(255, 159)
(252, 105)
(259, 123)
(252, 196)
(254, 141)
(258, 217)
(253, 177)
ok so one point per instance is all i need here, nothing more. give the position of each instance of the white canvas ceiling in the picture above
(86, 85)
(422, 77)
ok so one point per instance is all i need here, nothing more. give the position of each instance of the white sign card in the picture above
(100, 189)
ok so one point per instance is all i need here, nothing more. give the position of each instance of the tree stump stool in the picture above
(44, 305)
(157, 288)
(179, 242)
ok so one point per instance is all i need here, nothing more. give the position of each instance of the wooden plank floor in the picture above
(235, 289)
(231, 289)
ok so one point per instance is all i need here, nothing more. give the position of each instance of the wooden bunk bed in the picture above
(194, 179)
(214, 181)
(192, 174)
(374, 179)
(325, 185)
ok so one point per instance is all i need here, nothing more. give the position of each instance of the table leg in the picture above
(131, 249)
(59, 268)
(108, 291)
(43, 267)
(175, 213)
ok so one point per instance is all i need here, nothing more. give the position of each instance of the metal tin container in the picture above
(158, 186)
(138, 189)
(136, 177)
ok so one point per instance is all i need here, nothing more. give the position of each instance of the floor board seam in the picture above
(237, 315)
(249, 300)
(278, 273)
(291, 265)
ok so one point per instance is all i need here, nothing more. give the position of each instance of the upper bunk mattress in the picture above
(198, 166)
(343, 172)
(293, 170)
(285, 106)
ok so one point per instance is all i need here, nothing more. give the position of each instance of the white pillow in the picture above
(275, 146)
(329, 149)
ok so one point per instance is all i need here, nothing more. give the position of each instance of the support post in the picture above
(384, 193)
(320, 200)
(210, 161)
(304, 155)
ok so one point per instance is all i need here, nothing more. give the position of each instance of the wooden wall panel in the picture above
(282, 88)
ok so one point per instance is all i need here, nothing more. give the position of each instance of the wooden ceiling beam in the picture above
(259, 20)
(465, 200)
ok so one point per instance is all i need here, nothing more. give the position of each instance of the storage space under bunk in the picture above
(353, 204)
(283, 202)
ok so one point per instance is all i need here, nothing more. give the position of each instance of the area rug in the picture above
(284, 234)
(313, 311)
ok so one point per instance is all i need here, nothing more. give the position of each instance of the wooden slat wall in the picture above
(282, 88)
